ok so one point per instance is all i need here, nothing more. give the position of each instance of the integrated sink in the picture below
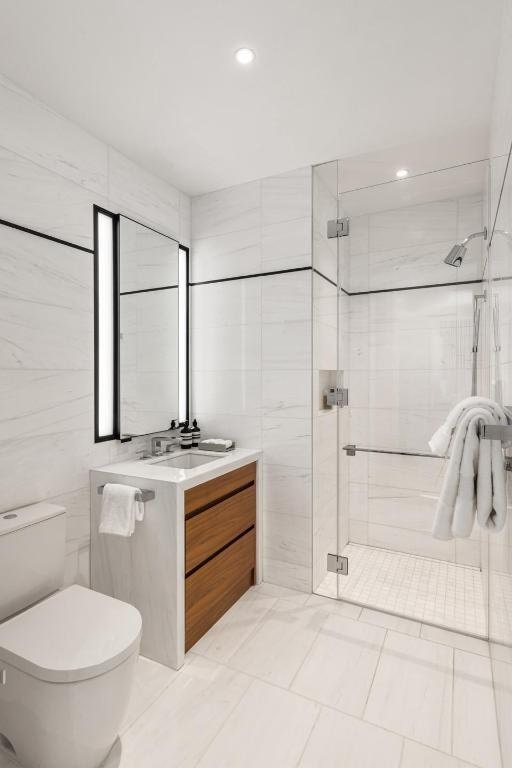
(187, 461)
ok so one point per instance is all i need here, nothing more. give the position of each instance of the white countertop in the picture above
(150, 469)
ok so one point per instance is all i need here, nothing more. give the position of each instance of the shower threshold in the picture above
(431, 591)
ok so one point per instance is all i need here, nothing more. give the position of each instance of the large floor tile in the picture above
(418, 756)
(277, 648)
(340, 607)
(228, 634)
(150, 680)
(387, 620)
(412, 690)
(268, 728)
(455, 639)
(475, 736)
(275, 590)
(179, 726)
(339, 668)
(338, 739)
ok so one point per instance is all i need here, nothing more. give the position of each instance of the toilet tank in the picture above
(32, 554)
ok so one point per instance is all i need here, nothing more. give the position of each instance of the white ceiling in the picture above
(332, 78)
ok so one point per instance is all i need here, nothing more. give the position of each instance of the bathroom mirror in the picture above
(149, 341)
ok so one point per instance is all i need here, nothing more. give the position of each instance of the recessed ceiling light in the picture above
(245, 55)
(402, 173)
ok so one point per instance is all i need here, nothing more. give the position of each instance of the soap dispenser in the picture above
(196, 434)
(186, 436)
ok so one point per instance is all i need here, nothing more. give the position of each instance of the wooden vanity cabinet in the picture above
(220, 547)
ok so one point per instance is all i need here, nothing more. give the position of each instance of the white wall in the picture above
(251, 348)
(51, 174)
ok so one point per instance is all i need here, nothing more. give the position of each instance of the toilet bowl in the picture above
(66, 670)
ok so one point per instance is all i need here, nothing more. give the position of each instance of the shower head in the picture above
(459, 250)
(456, 255)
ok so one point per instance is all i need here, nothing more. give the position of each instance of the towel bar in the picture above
(144, 495)
(496, 432)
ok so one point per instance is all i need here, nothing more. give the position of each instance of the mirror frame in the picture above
(113, 365)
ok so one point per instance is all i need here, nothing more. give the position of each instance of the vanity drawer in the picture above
(217, 585)
(207, 494)
(208, 531)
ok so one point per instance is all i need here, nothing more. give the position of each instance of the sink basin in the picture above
(187, 461)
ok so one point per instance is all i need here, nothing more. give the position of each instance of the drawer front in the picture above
(209, 493)
(210, 530)
(215, 587)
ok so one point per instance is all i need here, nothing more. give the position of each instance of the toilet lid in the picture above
(73, 635)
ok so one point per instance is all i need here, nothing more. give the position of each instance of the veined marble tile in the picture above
(412, 690)
(340, 665)
(286, 442)
(78, 525)
(290, 575)
(388, 621)
(229, 392)
(286, 489)
(150, 681)
(286, 197)
(351, 743)
(417, 756)
(179, 726)
(280, 643)
(226, 348)
(226, 210)
(286, 244)
(31, 129)
(43, 402)
(287, 537)
(39, 199)
(475, 736)
(226, 255)
(412, 225)
(286, 346)
(49, 287)
(235, 627)
(274, 590)
(237, 302)
(333, 605)
(285, 298)
(455, 640)
(286, 394)
(269, 727)
(133, 190)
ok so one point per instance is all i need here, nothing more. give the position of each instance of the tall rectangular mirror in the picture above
(149, 329)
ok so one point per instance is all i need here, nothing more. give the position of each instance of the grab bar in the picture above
(351, 450)
(144, 495)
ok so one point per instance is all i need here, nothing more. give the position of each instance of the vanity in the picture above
(195, 553)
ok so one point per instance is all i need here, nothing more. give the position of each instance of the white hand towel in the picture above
(120, 509)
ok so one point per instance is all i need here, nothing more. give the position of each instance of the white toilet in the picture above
(67, 662)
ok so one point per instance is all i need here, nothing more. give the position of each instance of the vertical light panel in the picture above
(105, 325)
(183, 334)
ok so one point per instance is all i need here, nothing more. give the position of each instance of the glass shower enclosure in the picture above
(399, 337)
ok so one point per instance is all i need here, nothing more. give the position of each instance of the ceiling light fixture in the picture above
(245, 56)
(402, 173)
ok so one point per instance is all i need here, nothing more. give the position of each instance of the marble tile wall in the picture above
(51, 174)
(251, 348)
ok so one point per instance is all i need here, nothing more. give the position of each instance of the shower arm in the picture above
(483, 234)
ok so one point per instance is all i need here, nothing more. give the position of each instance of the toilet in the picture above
(67, 656)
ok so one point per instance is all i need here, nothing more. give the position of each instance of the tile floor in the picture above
(289, 680)
(427, 590)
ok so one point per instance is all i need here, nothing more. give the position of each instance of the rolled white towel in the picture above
(440, 440)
